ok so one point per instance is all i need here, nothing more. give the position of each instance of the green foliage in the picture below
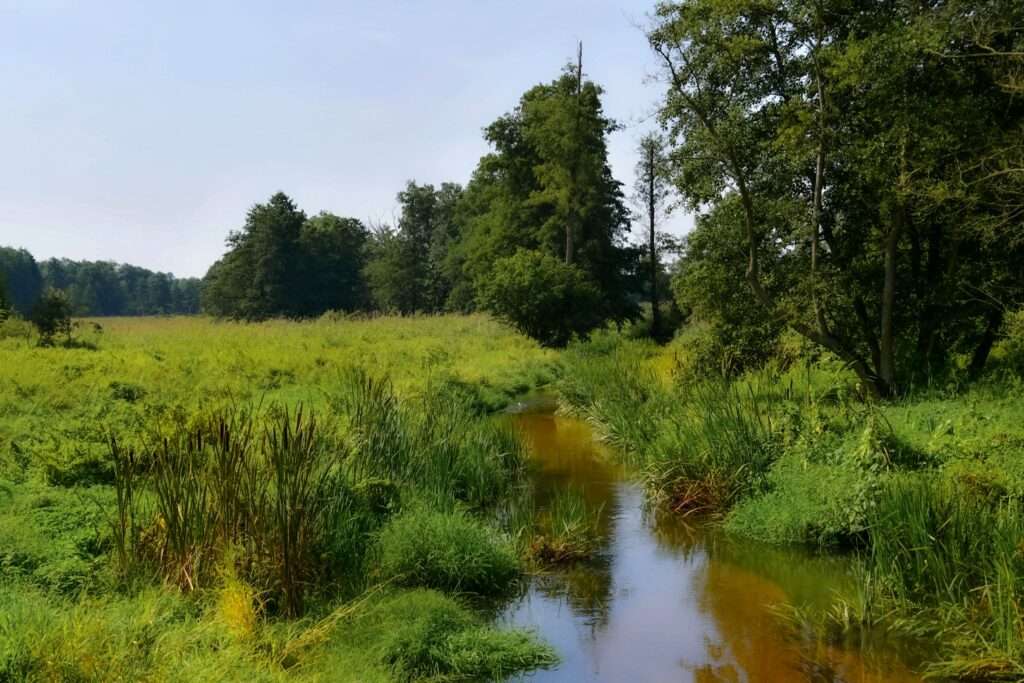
(566, 531)
(728, 331)
(259, 276)
(424, 635)
(700, 445)
(103, 289)
(1010, 348)
(256, 512)
(408, 270)
(446, 550)
(825, 148)
(333, 254)
(549, 176)
(438, 445)
(52, 317)
(55, 538)
(21, 282)
(541, 296)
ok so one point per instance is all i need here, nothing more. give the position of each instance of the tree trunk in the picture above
(984, 347)
(887, 341)
(652, 220)
(571, 219)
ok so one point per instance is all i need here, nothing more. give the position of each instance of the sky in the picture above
(141, 132)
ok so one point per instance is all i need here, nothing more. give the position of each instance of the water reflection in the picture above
(670, 602)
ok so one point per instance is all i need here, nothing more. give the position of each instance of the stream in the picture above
(667, 600)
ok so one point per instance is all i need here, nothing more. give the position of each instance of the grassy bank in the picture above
(188, 500)
(926, 489)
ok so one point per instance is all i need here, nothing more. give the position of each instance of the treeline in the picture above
(94, 288)
(537, 236)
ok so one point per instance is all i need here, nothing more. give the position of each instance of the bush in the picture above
(52, 316)
(424, 635)
(13, 327)
(1011, 345)
(446, 550)
(541, 297)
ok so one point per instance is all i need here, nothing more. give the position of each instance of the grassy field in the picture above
(184, 499)
(927, 490)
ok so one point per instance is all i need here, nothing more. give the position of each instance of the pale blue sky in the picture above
(142, 131)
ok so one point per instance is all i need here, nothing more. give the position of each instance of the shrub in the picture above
(1011, 344)
(446, 550)
(13, 327)
(52, 316)
(542, 297)
(424, 635)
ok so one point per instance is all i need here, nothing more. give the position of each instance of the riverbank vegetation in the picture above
(925, 489)
(849, 372)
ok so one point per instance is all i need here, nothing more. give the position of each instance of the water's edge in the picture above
(667, 601)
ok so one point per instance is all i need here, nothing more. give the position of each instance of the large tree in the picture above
(547, 187)
(332, 256)
(409, 269)
(841, 133)
(258, 277)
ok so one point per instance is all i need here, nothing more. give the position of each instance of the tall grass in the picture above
(699, 445)
(289, 502)
(219, 491)
(434, 443)
(567, 531)
(961, 556)
(715, 449)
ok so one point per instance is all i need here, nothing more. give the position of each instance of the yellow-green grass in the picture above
(57, 405)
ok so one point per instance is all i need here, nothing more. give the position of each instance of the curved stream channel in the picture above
(669, 601)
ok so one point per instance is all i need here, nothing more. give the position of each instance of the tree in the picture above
(5, 306)
(52, 316)
(333, 251)
(22, 278)
(547, 187)
(259, 276)
(409, 269)
(542, 296)
(841, 133)
(651, 193)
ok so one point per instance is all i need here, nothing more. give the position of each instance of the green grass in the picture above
(195, 500)
(160, 635)
(567, 531)
(451, 551)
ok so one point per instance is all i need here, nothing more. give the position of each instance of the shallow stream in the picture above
(668, 600)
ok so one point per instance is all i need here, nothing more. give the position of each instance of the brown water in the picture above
(668, 601)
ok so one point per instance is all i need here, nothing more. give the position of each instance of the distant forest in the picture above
(95, 288)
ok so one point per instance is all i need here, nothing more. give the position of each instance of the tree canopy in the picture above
(847, 151)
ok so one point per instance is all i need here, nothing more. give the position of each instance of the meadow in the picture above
(184, 499)
(187, 499)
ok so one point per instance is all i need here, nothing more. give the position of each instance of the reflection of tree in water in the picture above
(751, 640)
(586, 587)
(766, 577)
